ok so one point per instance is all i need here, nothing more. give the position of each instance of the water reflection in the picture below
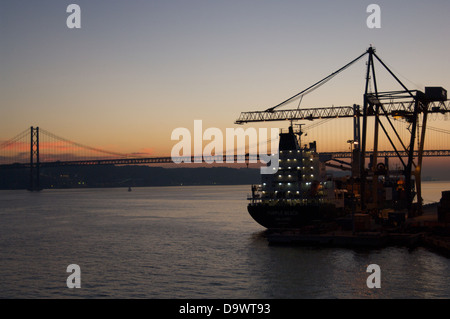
(184, 243)
(321, 272)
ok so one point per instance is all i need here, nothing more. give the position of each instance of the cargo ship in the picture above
(302, 193)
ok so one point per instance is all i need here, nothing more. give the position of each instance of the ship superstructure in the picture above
(301, 178)
(300, 191)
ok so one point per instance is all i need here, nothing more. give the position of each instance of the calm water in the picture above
(186, 242)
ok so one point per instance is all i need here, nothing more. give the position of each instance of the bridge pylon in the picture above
(34, 160)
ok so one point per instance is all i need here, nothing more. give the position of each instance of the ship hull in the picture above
(290, 217)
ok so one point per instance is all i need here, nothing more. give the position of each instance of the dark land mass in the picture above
(128, 176)
(136, 176)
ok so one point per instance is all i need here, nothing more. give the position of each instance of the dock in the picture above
(426, 230)
(345, 239)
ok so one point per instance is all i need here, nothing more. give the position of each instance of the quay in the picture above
(431, 230)
(339, 238)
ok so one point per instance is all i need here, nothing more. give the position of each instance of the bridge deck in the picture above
(209, 159)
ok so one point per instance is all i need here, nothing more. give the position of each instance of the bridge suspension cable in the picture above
(53, 138)
(16, 149)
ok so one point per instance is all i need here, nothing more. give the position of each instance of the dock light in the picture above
(401, 114)
(352, 143)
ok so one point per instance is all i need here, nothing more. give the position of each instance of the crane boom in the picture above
(402, 109)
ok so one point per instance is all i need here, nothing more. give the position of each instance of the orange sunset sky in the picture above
(136, 70)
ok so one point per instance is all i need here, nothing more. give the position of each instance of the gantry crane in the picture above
(405, 103)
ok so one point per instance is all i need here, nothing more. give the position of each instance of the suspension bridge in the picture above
(36, 148)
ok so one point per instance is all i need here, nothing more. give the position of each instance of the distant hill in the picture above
(129, 176)
(141, 176)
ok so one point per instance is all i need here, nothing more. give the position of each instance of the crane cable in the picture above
(316, 85)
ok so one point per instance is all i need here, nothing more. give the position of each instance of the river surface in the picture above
(187, 242)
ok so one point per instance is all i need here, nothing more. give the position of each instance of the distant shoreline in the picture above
(110, 176)
(128, 176)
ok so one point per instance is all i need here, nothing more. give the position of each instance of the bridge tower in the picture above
(34, 160)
